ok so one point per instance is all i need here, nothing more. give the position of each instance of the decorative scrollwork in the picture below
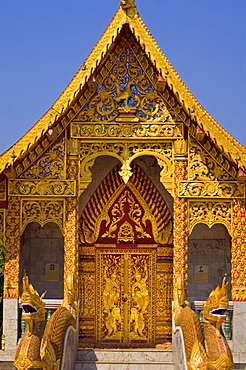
(3, 190)
(125, 89)
(211, 189)
(107, 130)
(42, 212)
(204, 167)
(238, 250)
(180, 229)
(149, 200)
(12, 250)
(41, 188)
(126, 153)
(135, 213)
(2, 226)
(126, 306)
(51, 165)
(210, 213)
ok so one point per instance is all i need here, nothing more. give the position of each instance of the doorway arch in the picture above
(42, 258)
(209, 259)
(125, 237)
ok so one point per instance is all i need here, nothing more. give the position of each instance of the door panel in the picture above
(124, 303)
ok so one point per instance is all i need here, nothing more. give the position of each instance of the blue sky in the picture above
(44, 42)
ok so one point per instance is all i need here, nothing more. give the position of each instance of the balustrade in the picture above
(197, 306)
(50, 305)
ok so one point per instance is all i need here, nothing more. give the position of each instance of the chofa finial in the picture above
(129, 7)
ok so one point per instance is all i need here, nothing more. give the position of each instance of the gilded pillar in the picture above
(71, 224)
(12, 248)
(11, 273)
(180, 225)
(238, 265)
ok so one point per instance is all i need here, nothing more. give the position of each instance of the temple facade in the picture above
(128, 183)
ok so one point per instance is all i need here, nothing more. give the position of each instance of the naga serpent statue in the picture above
(41, 347)
(205, 349)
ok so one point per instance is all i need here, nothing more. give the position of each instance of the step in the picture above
(6, 365)
(124, 359)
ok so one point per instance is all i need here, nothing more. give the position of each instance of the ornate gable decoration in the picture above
(126, 100)
(134, 212)
(46, 176)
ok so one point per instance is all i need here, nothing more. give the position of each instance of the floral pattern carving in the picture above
(210, 213)
(238, 251)
(51, 164)
(126, 88)
(43, 212)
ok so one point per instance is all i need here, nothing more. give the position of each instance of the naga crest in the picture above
(214, 310)
(32, 304)
(129, 7)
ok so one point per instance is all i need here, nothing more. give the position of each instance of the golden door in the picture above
(125, 280)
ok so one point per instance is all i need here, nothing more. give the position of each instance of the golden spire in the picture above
(129, 7)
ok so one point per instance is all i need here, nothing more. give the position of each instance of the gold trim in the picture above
(40, 212)
(209, 125)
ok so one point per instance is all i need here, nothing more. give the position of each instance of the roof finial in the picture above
(129, 7)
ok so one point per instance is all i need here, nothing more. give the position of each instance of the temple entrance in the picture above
(126, 287)
(125, 265)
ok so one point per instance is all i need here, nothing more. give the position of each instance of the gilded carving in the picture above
(210, 213)
(164, 296)
(125, 153)
(2, 226)
(42, 212)
(3, 191)
(135, 213)
(87, 295)
(71, 237)
(125, 306)
(100, 55)
(12, 248)
(41, 188)
(180, 148)
(109, 130)
(51, 164)
(71, 222)
(180, 229)
(155, 208)
(238, 251)
(126, 90)
(211, 189)
(208, 166)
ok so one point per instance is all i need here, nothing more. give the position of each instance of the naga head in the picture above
(70, 297)
(214, 310)
(32, 304)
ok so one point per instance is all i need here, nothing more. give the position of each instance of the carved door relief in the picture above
(126, 294)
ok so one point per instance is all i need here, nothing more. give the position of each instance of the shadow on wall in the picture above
(42, 257)
(209, 258)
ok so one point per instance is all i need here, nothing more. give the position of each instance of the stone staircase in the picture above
(124, 359)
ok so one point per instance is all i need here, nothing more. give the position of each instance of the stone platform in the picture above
(124, 359)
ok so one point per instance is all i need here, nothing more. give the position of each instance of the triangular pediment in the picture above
(126, 88)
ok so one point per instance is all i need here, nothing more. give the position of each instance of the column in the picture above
(11, 274)
(71, 224)
(238, 272)
(180, 225)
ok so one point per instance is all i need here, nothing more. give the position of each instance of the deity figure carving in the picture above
(140, 296)
(111, 291)
(113, 319)
(138, 321)
(111, 295)
(140, 292)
